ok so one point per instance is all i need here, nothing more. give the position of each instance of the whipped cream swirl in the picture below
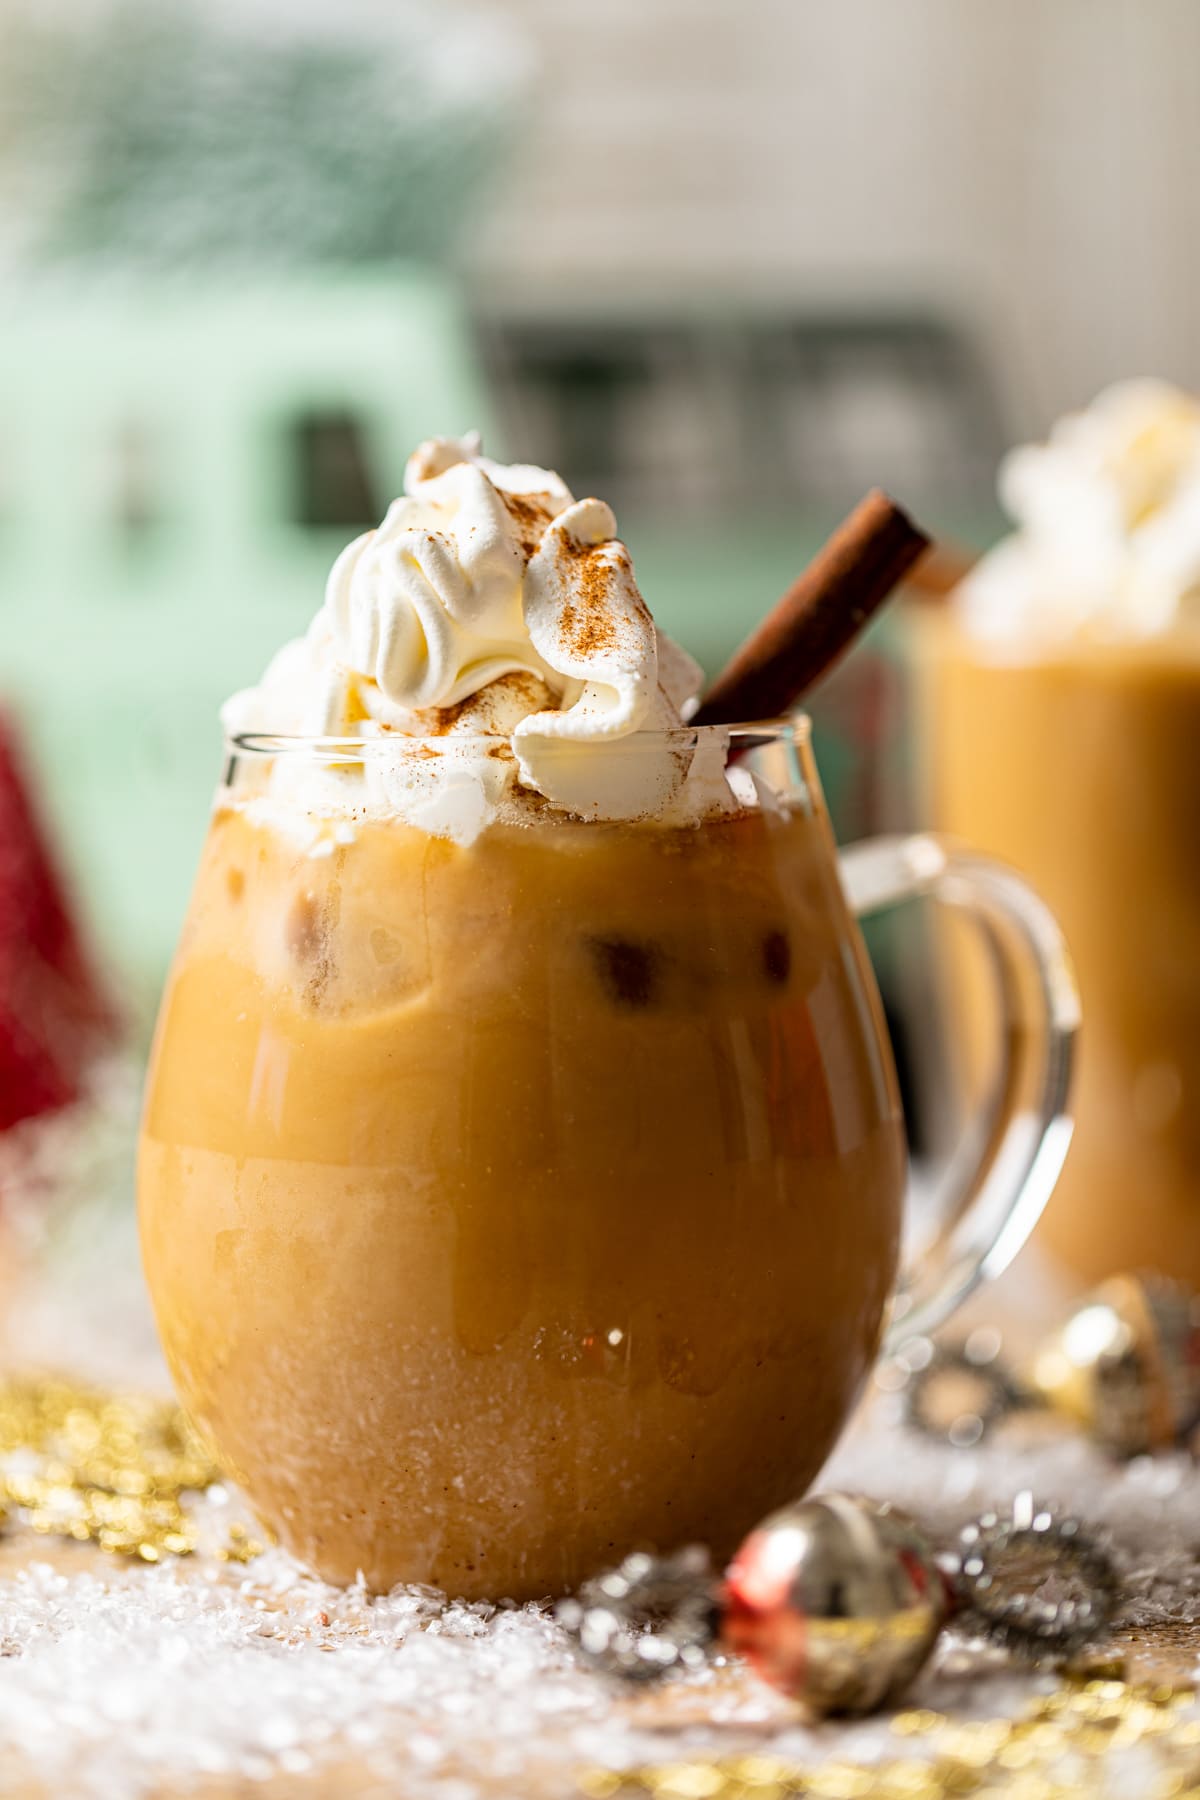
(492, 603)
(1108, 525)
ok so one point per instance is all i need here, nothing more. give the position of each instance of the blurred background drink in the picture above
(1062, 733)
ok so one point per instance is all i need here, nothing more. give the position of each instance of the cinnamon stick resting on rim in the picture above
(819, 617)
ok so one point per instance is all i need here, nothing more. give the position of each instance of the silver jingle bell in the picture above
(1035, 1582)
(652, 1616)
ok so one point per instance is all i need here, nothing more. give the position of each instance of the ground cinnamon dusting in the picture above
(587, 621)
(531, 515)
(436, 721)
(476, 709)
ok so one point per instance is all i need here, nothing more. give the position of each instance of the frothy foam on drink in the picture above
(1107, 543)
(490, 642)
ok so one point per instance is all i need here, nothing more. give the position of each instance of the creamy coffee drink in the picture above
(522, 1163)
(1062, 717)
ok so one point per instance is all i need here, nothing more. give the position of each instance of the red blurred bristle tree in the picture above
(54, 1012)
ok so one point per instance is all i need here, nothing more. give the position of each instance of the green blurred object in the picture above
(181, 463)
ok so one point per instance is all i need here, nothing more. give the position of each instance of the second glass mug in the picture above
(506, 1206)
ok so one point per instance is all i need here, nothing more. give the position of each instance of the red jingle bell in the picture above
(836, 1602)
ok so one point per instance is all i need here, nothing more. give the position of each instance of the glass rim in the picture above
(740, 737)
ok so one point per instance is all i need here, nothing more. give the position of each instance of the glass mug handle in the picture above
(1003, 1173)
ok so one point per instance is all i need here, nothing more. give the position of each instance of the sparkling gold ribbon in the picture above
(1051, 1752)
(104, 1468)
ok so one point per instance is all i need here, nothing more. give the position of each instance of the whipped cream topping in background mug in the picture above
(1107, 511)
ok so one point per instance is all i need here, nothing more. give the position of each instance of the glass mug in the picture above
(1079, 763)
(507, 1206)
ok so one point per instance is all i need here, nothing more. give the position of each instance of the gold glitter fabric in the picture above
(104, 1468)
(1055, 1749)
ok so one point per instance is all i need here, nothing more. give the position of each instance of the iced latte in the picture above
(522, 1163)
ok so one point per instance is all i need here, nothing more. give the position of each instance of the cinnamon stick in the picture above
(818, 618)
